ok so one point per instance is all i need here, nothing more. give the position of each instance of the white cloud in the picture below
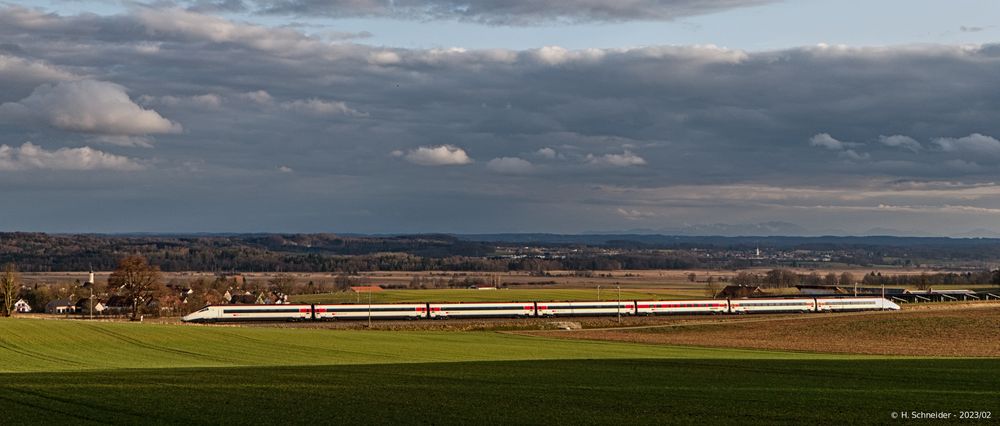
(510, 165)
(88, 106)
(30, 156)
(209, 100)
(500, 12)
(556, 55)
(385, 57)
(196, 26)
(632, 214)
(321, 107)
(850, 154)
(824, 140)
(124, 140)
(976, 144)
(285, 169)
(260, 97)
(901, 141)
(625, 159)
(547, 153)
(14, 67)
(442, 155)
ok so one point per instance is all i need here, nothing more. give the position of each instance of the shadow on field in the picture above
(552, 392)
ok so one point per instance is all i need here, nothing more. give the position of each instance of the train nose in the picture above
(888, 304)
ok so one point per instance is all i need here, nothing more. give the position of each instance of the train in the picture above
(415, 311)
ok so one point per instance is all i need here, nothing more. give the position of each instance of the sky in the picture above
(750, 117)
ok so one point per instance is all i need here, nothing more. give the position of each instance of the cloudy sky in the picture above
(373, 116)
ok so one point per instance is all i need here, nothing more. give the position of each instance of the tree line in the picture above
(777, 278)
(36, 252)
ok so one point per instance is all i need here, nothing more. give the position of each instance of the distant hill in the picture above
(688, 241)
(340, 253)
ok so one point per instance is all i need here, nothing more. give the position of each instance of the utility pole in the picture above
(369, 308)
(90, 284)
(619, 303)
(71, 307)
(599, 292)
(882, 303)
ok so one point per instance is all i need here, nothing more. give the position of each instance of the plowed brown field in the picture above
(944, 330)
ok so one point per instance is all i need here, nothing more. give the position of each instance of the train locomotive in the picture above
(414, 311)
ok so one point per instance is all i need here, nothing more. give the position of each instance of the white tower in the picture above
(90, 280)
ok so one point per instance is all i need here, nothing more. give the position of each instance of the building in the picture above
(237, 297)
(117, 305)
(83, 306)
(739, 291)
(21, 306)
(60, 306)
(822, 290)
(366, 289)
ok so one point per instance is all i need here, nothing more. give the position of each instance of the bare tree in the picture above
(9, 286)
(136, 280)
(711, 287)
(744, 278)
(923, 281)
(281, 284)
(847, 279)
(830, 279)
(783, 278)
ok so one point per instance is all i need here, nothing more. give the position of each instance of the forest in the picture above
(40, 252)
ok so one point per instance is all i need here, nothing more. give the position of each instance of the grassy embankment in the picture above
(60, 371)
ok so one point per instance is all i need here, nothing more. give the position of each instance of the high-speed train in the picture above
(382, 311)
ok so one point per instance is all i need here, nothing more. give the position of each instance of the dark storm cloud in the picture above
(493, 12)
(350, 137)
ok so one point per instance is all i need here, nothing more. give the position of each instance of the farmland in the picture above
(84, 372)
(927, 330)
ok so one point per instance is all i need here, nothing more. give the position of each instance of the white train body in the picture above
(379, 311)
(481, 310)
(302, 312)
(854, 304)
(251, 313)
(555, 309)
(665, 307)
(750, 306)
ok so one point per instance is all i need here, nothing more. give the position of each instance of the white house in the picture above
(22, 307)
(60, 306)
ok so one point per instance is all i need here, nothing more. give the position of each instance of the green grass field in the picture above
(69, 371)
(509, 295)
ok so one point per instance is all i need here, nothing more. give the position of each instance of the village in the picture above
(93, 299)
